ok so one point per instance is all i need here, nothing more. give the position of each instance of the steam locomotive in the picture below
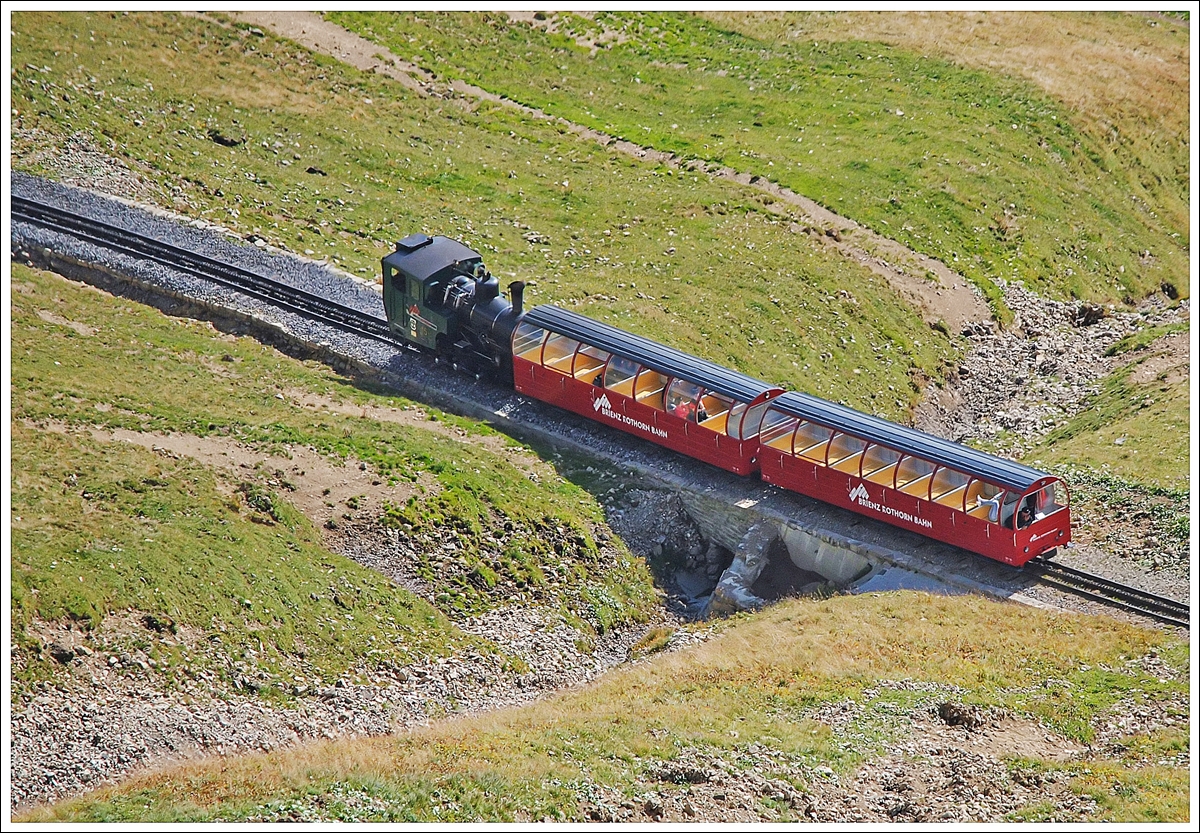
(439, 296)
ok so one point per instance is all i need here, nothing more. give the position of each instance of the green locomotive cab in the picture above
(428, 283)
(438, 295)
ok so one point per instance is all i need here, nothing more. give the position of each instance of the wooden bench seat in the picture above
(952, 497)
(814, 452)
(918, 486)
(624, 388)
(849, 464)
(883, 476)
(983, 512)
(716, 422)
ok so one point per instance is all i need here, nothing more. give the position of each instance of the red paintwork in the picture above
(920, 515)
(747, 457)
(619, 411)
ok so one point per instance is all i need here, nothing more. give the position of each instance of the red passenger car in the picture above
(644, 388)
(911, 479)
(438, 295)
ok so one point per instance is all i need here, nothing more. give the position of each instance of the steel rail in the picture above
(262, 287)
(1112, 593)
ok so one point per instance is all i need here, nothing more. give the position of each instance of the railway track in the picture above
(1111, 593)
(260, 286)
(282, 295)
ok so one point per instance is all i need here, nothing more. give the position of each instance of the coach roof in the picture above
(910, 441)
(651, 354)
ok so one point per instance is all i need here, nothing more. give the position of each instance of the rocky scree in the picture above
(1016, 385)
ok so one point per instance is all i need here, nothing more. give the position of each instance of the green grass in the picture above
(1144, 338)
(984, 172)
(1137, 431)
(739, 288)
(759, 682)
(100, 528)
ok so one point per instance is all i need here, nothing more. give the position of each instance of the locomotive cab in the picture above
(439, 296)
(426, 281)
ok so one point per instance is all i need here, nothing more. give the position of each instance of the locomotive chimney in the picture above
(516, 291)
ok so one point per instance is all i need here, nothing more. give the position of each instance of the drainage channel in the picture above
(715, 556)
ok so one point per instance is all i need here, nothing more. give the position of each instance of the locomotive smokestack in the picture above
(516, 291)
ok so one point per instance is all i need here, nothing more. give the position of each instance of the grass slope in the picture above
(983, 171)
(1124, 77)
(104, 528)
(758, 685)
(258, 134)
(1136, 427)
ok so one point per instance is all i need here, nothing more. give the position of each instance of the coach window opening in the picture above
(845, 452)
(1038, 504)
(779, 431)
(1043, 502)
(745, 421)
(589, 363)
(717, 407)
(733, 425)
(914, 475)
(1008, 509)
(984, 500)
(527, 340)
(879, 464)
(649, 387)
(949, 487)
(682, 398)
(619, 374)
(812, 442)
(559, 352)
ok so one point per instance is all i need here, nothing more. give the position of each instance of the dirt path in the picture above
(950, 298)
(328, 493)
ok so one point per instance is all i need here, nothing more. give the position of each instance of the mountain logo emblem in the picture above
(602, 402)
(859, 494)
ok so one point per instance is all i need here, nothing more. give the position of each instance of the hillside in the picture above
(875, 708)
(218, 549)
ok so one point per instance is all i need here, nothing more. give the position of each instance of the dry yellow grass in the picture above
(1097, 64)
(755, 676)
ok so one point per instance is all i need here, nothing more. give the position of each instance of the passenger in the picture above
(686, 410)
(599, 380)
(701, 414)
(994, 506)
(1024, 517)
